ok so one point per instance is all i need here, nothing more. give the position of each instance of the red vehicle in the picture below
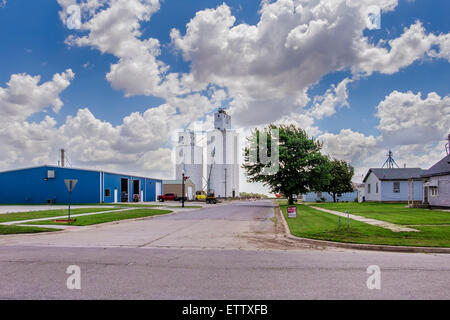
(169, 197)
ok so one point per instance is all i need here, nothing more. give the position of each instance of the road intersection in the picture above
(232, 251)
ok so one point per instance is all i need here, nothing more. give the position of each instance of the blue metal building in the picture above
(45, 184)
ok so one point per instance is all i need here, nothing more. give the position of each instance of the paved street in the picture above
(224, 252)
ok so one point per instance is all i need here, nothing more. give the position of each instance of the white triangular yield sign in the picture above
(70, 184)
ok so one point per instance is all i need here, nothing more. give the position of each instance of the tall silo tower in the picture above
(189, 157)
(223, 157)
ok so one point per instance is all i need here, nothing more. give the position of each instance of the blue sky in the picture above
(34, 37)
(37, 47)
(33, 43)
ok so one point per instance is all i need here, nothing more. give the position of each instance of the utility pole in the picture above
(182, 191)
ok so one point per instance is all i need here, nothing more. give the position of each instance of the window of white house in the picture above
(396, 187)
(368, 188)
(433, 191)
(376, 187)
(319, 194)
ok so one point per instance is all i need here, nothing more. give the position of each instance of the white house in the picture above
(393, 184)
(436, 189)
(361, 191)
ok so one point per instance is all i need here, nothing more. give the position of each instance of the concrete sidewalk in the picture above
(4, 209)
(378, 223)
(51, 226)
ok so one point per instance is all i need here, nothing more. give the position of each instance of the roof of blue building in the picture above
(395, 173)
(80, 169)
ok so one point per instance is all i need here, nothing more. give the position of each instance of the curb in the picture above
(359, 246)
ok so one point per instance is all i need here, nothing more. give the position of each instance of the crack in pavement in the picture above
(166, 235)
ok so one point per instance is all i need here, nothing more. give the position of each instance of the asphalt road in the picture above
(226, 252)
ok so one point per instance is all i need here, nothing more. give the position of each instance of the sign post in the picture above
(348, 218)
(292, 212)
(70, 184)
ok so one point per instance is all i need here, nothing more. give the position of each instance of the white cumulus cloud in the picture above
(407, 118)
(24, 95)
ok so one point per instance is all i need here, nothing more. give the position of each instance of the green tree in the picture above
(341, 178)
(302, 168)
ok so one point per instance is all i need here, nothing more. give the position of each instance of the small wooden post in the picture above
(348, 218)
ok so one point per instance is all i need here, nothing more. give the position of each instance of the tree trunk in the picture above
(334, 197)
(290, 200)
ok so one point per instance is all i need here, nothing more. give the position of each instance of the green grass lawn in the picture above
(142, 205)
(118, 204)
(107, 217)
(137, 205)
(18, 216)
(314, 224)
(396, 213)
(17, 229)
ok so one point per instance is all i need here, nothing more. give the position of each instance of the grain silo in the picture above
(189, 157)
(223, 157)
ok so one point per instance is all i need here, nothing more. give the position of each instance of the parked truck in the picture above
(169, 197)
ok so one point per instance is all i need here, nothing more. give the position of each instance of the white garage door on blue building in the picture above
(45, 184)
